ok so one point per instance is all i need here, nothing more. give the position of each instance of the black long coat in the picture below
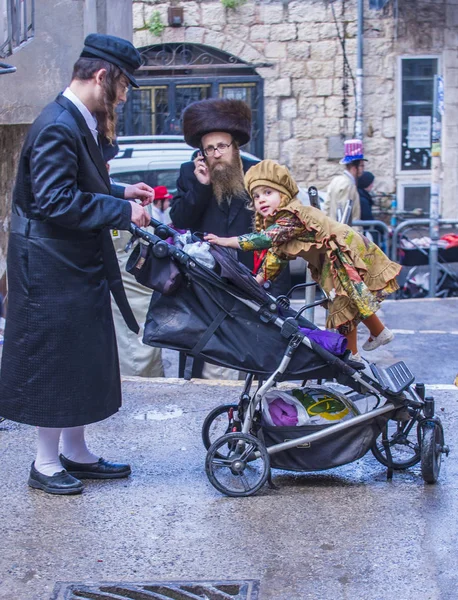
(60, 364)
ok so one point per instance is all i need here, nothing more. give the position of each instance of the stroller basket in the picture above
(334, 451)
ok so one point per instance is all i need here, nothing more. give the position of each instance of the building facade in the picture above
(43, 53)
(294, 61)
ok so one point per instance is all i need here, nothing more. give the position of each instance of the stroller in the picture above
(224, 316)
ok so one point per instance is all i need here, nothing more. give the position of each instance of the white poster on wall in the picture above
(419, 132)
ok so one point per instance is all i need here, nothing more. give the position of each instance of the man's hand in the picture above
(140, 215)
(139, 191)
(228, 242)
(201, 171)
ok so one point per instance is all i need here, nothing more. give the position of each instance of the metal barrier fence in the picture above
(432, 252)
(411, 223)
(389, 241)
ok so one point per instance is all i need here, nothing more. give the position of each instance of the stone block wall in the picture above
(303, 87)
(11, 140)
(44, 68)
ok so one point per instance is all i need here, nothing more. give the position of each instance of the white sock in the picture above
(47, 461)
(74, 446)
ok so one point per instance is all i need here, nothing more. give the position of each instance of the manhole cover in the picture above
(215, 590)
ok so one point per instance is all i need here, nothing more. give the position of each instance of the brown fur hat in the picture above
(217, 114)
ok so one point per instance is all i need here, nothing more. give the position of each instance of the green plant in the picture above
(155, 24)
(233, 4)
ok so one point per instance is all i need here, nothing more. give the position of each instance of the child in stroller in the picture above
(353, 272)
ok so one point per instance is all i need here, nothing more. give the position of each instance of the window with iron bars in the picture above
(16, 25)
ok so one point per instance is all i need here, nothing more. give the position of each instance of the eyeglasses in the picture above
(210, 150)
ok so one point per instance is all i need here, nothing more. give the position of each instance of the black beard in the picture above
(227, 179)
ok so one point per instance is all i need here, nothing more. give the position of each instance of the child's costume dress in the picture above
(353, 272)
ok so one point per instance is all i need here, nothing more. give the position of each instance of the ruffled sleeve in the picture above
(287, 227)
(254, 241)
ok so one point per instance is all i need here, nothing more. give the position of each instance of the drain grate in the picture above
(214, 590)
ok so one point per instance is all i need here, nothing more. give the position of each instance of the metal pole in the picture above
(434, 206)
(359, 74)
(310, 293)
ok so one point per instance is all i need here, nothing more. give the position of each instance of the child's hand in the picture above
(211, 238)
(228, 242)
(259, 278)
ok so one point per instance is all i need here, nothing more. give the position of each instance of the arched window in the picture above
(174, 75)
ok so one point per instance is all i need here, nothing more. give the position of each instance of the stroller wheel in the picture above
(405, 444)
(221, 420)
(237, 464)
(432, 444)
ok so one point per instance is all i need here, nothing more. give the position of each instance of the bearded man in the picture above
(210, 195)
(60, 367)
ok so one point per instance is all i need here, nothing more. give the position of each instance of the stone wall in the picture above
(11, 139)
(44, 68)
(304, 85)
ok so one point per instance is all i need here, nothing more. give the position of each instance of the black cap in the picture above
(115, 50)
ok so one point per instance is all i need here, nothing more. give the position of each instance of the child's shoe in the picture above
(385, 337)
(356, 358)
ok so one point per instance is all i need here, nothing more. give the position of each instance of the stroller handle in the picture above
(167, 231)
(161, 248)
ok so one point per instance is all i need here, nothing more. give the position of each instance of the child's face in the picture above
(266, 200)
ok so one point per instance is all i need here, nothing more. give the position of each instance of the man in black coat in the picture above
(211, 196)
(60, 366)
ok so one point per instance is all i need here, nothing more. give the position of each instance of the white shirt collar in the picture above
(88, 117)
(348, 174)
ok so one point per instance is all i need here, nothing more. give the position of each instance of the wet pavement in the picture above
(343, 534)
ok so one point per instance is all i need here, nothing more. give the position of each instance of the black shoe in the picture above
(60, 483)
(102, 469)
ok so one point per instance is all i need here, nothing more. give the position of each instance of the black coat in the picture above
(366, 202)
(60, 364)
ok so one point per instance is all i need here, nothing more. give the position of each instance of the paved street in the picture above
(344, 534)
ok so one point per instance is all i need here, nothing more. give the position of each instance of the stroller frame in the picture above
(395, 384)
(240, 452)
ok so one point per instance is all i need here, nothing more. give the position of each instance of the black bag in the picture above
(159, 274)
